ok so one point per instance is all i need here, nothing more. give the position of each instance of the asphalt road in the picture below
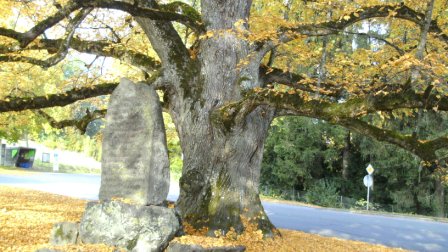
(409, 233)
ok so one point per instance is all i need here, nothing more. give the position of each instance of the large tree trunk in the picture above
(219, 184)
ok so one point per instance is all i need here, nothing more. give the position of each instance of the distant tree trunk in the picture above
(346, 155)
(439, 198)
(418, 209)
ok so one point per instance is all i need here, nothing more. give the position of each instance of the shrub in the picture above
(323, 193)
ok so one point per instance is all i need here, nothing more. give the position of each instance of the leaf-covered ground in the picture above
(26, 218)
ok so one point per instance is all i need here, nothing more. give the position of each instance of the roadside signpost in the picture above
(370, 169)
(368, 182)
(55, 162)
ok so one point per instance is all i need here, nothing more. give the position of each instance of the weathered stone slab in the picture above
(134, 227)
(179, 247)
(135, 161)
(48, 250)
(64, 233)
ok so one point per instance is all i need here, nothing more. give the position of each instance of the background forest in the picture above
(313, 161)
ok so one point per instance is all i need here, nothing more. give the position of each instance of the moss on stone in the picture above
(184, 8)
(132, 243)
(59, 232)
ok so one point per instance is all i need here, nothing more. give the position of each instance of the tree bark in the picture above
(439, 199)
(222, 161)
(219, 184)
(346, 155)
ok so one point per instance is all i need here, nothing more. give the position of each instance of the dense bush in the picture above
(328, 162)
(323, 193)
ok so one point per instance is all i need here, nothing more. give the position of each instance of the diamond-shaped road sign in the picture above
(370, 169)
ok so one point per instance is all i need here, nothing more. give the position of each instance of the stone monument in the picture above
(135, 178)
(136, 228)
(135, 163)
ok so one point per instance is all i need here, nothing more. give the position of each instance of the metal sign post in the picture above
(368, 182)
(368, 196)
(55, 162)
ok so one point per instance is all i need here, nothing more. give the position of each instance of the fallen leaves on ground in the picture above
(290, 241)
(27, 216)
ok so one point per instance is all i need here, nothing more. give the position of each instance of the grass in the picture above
(10, 170)
(27, 216)
(64, 168)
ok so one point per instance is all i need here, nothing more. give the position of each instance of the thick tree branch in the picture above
(322, 68)
(167, 43)
(99, 48)
(54, 100)
(424, 30)
(400, 11)
(187, 15)
(299, 103)
(106, 49)
(416, 70)
(271, 75)
(25, 38)
(183, 8)
(61, 50)
(438, 143)
(424, 149)
(346, 114)
(25, 59)
(71, 96)
(64, 46)
(360, 106)
(379, 38)
(80, 124)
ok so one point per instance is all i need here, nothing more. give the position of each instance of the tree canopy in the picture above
(369, 80)
(225, 69)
